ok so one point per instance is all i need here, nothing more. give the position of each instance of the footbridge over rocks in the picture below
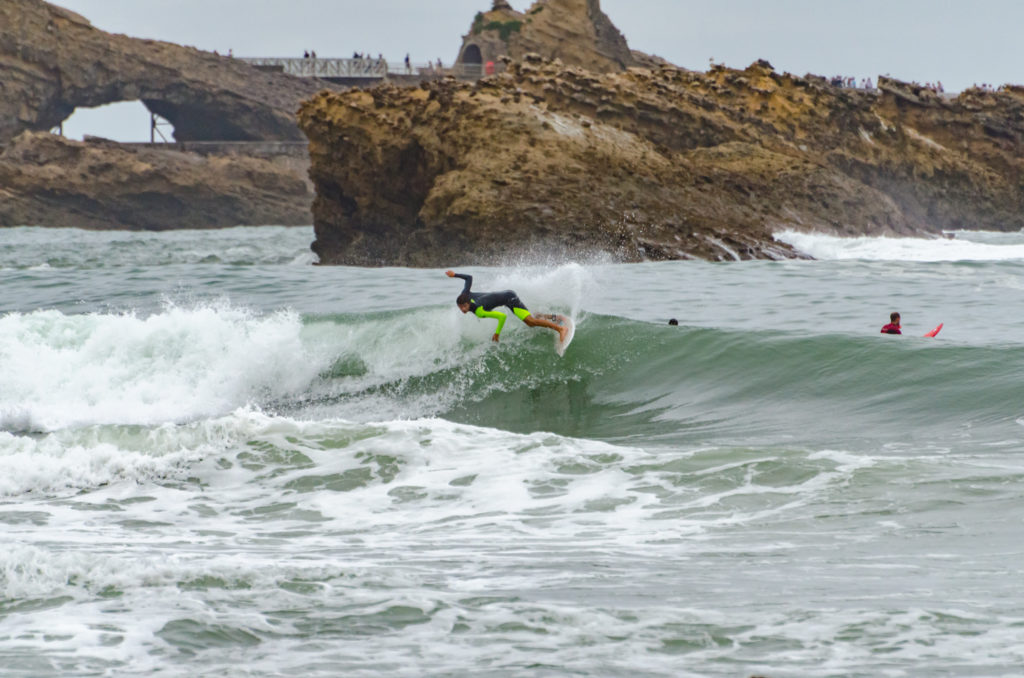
(363, 71)
(53, 61)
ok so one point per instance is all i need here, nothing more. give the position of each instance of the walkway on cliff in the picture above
(353, 71)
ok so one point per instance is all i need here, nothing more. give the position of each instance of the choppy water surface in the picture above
(218, 459)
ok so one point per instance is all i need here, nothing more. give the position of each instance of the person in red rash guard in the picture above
(894, 324)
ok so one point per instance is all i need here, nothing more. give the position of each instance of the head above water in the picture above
(462, 301)
(894, 317)
(673, 321)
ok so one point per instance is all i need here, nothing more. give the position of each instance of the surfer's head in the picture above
(894, 317)
(463, 302)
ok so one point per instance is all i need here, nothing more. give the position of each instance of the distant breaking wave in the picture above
(964, 246)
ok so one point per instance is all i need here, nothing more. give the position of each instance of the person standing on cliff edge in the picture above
(481, 304)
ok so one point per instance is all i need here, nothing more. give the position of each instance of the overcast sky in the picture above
(957, 42)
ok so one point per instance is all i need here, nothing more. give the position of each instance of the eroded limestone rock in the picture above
(53, 61)
(649, 164)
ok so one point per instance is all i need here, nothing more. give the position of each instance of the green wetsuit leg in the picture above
(497, 315)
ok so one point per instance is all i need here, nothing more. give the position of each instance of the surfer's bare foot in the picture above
(562, 331)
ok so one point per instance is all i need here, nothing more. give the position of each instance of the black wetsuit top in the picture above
(482, 304)
(488, 300)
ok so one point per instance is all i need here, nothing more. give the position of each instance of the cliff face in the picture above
(53, 61)
(649, 164)
(50, 181)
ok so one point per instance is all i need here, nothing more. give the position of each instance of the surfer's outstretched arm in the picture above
(468, 278)
(497, 315)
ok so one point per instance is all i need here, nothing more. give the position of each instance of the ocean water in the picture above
(217, 459)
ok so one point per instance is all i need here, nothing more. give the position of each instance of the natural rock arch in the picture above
(127, 121)
(55, 61)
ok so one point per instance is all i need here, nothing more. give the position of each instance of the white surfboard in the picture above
(560, 346)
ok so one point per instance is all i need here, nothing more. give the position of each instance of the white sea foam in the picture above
(68, 370)
(590, 552)
(75, 459)
(964, 246)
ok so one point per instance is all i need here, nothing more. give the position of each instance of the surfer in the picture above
(482, 305)
(894, 324)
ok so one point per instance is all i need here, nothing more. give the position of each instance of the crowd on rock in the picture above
(936, 87)
(851, 83)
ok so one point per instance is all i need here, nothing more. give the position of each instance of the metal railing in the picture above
(310, 67)
(323, 68)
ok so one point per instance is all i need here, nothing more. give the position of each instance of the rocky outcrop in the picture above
(52, 61)
(649, 164)
(50, 181)
(575, 31)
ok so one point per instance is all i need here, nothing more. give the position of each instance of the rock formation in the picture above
(575, 31)
(649, 164)
(50, 181)
(53, 61)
